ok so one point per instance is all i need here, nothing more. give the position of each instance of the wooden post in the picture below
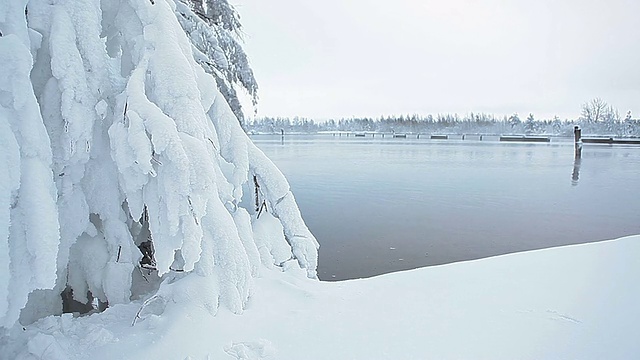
(462, 136)
(577, 133)
(575, 175)
(480, 137)
(418, 136)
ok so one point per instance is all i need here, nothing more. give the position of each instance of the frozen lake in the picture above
(381, 205)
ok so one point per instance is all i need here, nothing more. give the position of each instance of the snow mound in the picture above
(256, 350)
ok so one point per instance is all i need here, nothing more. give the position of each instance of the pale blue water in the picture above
(382, 205)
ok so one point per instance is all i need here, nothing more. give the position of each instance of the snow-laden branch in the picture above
(121, 152)
(29, 234)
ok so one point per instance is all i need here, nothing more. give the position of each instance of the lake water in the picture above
(382, 205)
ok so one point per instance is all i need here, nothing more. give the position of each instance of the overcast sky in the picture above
(343, 58)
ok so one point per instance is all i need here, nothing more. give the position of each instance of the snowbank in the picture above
(577, 302)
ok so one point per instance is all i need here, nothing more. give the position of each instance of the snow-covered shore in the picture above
(574, 302)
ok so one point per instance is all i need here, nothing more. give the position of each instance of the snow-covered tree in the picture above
(126, 172)
(514, 121)
(530, 124)
(214, 28)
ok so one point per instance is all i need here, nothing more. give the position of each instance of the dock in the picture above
(579, 140)
(610, 140)
(526, 138)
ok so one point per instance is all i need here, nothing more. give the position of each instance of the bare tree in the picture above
(596, 110)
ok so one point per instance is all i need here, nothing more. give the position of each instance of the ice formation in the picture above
(114, 139)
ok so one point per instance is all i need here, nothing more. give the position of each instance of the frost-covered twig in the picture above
(142, 273)
(257, 191)
(145, 303)
(263, 206)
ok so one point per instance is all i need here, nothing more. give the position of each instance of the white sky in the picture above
(333, 58)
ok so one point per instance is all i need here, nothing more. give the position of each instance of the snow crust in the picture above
(113, 135)
(574, 302)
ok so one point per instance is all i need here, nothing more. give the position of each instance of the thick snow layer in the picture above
(575, 302)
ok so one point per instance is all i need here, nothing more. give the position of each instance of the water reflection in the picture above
(575, 175)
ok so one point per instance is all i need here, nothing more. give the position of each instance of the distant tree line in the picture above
(597, 117)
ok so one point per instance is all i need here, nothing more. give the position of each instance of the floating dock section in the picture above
(611, 141)
(526, 138)
(439, 137)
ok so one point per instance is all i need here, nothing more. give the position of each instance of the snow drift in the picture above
(574, 302)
